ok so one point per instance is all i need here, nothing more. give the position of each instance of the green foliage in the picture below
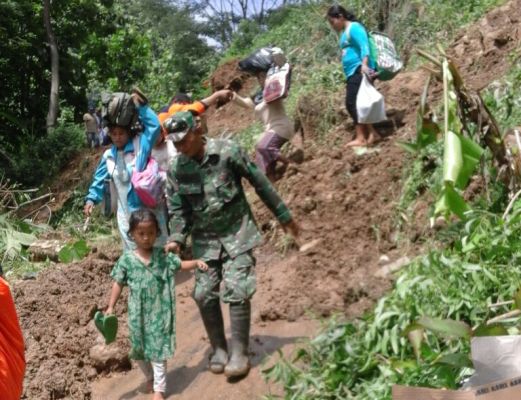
(423, 173)
(363, 359)
(40, 158)
(503, 98)
(248, 137)
(73, 251)
(15, 235)
(429, 22)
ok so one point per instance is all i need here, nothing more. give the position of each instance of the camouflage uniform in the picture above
(207, 200)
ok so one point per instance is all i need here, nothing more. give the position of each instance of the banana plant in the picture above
(461, 155)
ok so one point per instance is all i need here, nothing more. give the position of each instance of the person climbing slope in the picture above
(150, 275)
(354, 44)
(278, 128)
(207, 200)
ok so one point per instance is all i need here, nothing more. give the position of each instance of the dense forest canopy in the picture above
(162, 46)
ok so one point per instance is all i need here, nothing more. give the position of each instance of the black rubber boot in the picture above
(239, 364)
(214, 325)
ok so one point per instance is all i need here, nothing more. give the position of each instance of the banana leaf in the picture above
(451, 201)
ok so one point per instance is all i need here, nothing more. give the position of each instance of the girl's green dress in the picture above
(151, 303)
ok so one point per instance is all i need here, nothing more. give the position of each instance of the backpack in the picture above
(383, 52)
(277, 83)
(118, 109)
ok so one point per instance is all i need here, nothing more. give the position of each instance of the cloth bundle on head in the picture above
(118, 109)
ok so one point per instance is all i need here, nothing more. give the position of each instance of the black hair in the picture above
(142, 215)
(338, 11)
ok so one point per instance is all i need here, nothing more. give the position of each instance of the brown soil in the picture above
(345, 204)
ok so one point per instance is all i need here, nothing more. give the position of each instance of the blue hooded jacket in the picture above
(145, 142)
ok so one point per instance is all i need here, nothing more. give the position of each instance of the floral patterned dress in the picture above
(151, 303)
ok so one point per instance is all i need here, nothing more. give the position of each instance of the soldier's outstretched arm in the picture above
(246, 168)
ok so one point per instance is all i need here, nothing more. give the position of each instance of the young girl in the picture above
(149, 273)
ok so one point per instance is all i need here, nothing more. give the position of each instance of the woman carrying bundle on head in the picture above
(129, 153)
(354, 43)
(278, 128)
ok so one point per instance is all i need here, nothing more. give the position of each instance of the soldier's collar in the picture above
(212, 148)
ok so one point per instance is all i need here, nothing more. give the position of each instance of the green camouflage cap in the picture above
(179, 125)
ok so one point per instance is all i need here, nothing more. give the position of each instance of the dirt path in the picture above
(188, 377)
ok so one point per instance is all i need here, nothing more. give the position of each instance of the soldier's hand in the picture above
(225, 95)
(292, 228)
(201, 265)
(172, 247)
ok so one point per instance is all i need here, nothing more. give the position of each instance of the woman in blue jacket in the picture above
(354, 43)
(128, 152)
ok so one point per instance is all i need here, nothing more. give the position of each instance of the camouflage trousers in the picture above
(237, 275)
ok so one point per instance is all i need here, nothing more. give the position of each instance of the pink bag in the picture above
(148, 184)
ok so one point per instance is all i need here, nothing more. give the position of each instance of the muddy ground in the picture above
(346, 205)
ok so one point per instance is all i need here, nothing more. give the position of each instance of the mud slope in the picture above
(347, 202)
(344, 201)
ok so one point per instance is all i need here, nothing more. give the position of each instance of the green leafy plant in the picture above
(74, 251)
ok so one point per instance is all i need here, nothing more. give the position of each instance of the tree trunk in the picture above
(52, 114)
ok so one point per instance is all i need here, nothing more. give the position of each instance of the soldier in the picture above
(207, 200)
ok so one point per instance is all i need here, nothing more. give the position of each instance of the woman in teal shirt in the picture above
(354, 43)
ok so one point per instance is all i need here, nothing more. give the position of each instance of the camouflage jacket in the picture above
(207, 199)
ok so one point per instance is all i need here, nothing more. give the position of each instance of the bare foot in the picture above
(356, 143)
(158, 396)
(374, 138)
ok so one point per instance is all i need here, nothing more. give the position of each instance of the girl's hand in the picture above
(201, 265)
(109, 311)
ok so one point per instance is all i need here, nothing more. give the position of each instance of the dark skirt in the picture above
(268, 150)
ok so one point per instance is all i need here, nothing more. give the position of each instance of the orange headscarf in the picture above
(12, 359)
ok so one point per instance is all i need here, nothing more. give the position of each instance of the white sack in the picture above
(370, 105)
(495, 358)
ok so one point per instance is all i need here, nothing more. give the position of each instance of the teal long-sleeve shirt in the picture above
(354, 43)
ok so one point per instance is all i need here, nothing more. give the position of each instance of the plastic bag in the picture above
(148, 184)
(370, 104)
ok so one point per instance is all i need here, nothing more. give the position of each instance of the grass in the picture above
(503, 97)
